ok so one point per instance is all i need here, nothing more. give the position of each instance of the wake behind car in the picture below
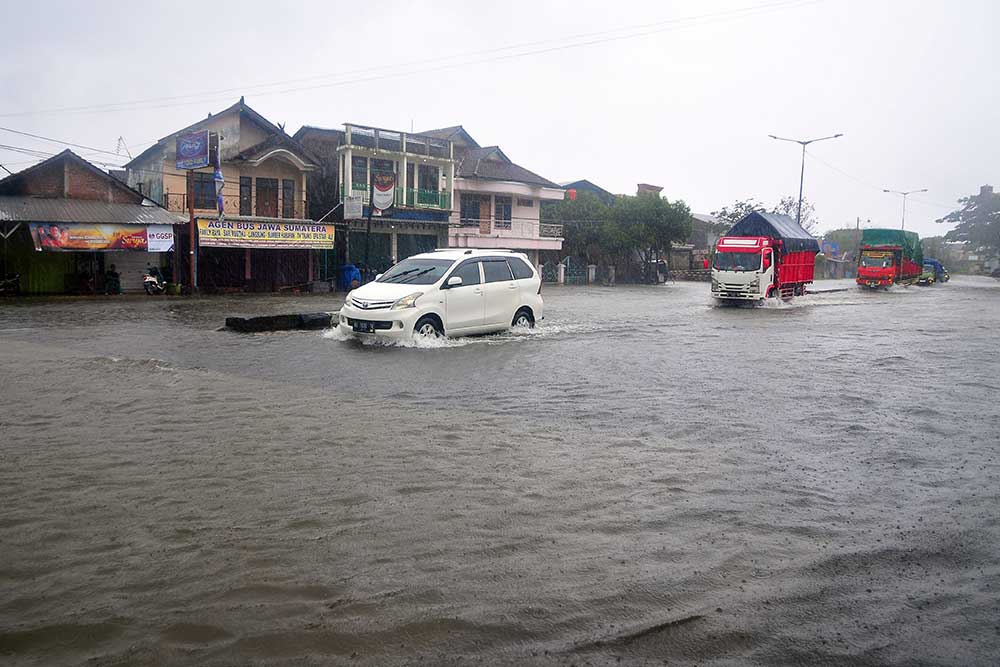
(447, 292)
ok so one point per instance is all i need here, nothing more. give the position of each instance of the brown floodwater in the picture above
(645, 477)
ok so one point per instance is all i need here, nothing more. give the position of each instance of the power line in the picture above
(590, 39)
(57, 141)
(868, 184)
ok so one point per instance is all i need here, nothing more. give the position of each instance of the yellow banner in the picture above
(242, 234)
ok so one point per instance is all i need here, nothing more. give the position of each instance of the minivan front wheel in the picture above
(523, 318)
(428, 327)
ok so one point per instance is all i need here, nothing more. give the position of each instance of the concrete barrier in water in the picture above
(280, 322)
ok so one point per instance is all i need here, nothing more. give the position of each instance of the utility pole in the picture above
(193, 241)
(371, 207)
(802, 171)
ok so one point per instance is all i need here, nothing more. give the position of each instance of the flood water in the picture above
(644, 477)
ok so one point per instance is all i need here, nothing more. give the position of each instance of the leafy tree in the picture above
(787, 205)
(790, 206)
(650, 225)
(978, 220)
(583, 220)
(738, 210)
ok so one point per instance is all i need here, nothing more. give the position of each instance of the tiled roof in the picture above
(42, 209)
(490, 163)
(450, 133)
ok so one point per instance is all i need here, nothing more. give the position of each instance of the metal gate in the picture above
(576, 270)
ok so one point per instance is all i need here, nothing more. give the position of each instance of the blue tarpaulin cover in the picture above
(777, 226)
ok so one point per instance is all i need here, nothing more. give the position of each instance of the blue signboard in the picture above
(192, 150)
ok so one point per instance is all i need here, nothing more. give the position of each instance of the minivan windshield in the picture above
(417, 271)
(737, 261)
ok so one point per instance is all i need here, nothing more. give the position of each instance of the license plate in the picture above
(364, 327)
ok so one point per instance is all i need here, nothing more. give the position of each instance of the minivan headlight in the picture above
(408, 301)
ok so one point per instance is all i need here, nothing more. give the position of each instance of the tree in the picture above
(787, 205)
(583, 221)
(739, 210)
(790, 206)
(649, 225)
(978, 220)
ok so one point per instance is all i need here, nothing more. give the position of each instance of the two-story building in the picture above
(498, 201)
(264, 239)
(424, 171)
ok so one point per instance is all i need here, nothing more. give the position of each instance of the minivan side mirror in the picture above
(454, 281)
(379, 276)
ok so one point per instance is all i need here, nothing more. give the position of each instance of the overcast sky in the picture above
(914, 87)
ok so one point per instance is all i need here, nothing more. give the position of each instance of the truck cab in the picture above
(876, 268)
(743, 268)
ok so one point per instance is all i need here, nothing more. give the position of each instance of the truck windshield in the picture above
(879, 261)
(737, 261)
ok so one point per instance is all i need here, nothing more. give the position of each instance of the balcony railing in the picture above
(377, 139)
(415, 197)
(177, 202)
(523, 229)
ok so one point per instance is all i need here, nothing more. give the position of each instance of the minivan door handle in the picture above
(512, 286)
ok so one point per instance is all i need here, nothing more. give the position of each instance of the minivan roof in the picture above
(460, 253)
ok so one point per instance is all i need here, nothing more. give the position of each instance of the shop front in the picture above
(255, 254)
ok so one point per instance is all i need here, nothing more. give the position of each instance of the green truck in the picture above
(889, 257)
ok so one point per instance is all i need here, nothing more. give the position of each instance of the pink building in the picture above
(497, 202)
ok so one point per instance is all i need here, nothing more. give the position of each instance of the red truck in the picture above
(763, 255)
(889, 257)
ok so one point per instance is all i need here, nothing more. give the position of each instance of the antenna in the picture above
(123, 146)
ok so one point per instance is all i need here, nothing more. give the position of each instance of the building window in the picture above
(502, 210)
(526, 203)
(469, 210)
(204, 190)
(387, 166)
(246, 195)
(287, 198)
(267, 197)
(359, 173)
(429, 183)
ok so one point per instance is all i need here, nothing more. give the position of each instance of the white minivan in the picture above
(454, 292)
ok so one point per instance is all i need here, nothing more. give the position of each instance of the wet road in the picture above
(644, 477)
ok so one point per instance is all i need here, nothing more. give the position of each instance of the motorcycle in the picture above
(11, 286)
(152, 282)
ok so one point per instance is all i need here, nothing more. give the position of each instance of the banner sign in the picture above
(192, 150)
(71, 236)
(274, 235)
(383, 189)
(353, 208)
(160, 238)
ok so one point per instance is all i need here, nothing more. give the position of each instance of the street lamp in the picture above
(908, 192)
(802, 174)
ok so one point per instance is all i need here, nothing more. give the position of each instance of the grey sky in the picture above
(912, 85)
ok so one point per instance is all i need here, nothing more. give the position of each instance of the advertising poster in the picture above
(68, 237)
(383, 189)
(192, 150)
(274, 235)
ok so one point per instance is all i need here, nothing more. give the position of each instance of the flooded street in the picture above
(644, 477)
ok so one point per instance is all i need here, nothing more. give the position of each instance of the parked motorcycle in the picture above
(152, 281)
(11, 286)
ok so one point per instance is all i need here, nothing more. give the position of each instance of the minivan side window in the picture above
(496, 271)
(469, 273)
(520, 269)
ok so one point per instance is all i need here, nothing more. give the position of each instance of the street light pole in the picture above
(908, 192)
(802, 172)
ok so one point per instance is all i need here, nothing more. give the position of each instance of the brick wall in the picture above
(67, 177)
